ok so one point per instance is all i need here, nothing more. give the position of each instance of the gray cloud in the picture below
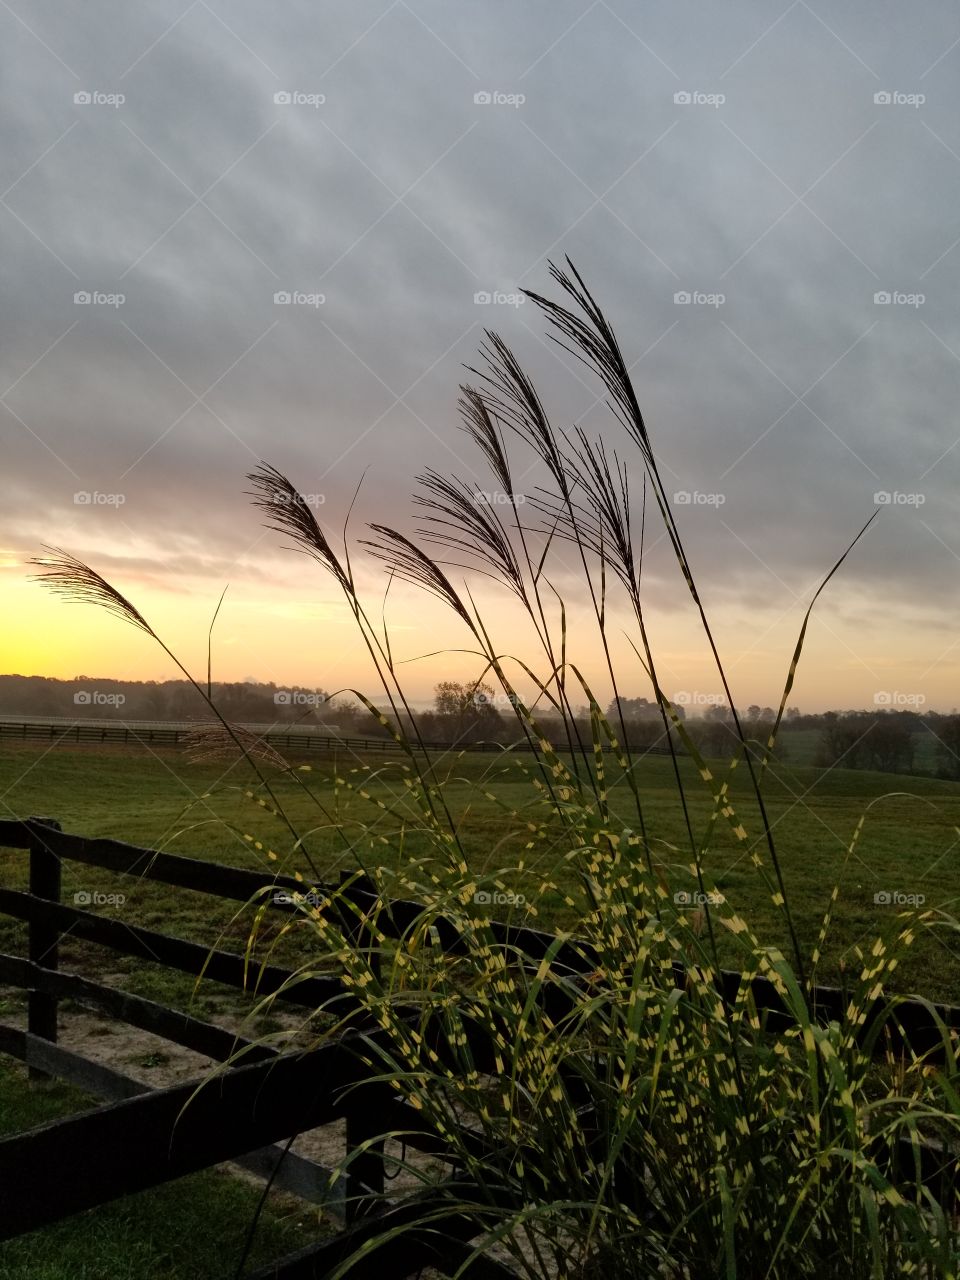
(798, 199)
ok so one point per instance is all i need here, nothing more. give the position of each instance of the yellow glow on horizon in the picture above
(294, 632)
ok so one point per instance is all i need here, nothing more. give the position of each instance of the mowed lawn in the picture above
(359, 810)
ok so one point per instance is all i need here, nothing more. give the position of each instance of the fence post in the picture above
(43, 939)
(364, 1121)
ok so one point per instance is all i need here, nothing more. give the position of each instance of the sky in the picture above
(233, 233)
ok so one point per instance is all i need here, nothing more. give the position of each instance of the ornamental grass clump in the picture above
(604, 1103)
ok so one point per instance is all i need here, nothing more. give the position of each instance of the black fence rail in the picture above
(143, 1137)
(98, 734)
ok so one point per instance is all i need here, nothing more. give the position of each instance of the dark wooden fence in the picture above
(98, 734)
(143, 1137)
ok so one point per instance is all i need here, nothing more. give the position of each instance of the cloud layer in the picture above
(383, 165)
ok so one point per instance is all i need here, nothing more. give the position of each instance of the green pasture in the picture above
(352, 810)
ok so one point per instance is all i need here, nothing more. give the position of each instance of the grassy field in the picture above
(909, 843)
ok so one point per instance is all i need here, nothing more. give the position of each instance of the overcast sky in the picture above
(786, 166)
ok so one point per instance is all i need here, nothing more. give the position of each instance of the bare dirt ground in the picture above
(158, 1063)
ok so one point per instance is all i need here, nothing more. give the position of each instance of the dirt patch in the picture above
(153, 1061)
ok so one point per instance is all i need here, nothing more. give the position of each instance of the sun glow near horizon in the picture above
(298, 632)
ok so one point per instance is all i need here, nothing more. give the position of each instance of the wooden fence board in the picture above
(92, 1077)
(175, 953)
(201, 874)
(180, 1028)
(76, 1163)
(288, 1171)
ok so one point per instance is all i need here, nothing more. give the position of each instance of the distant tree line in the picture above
(98, 697)
(465, 712)
(888, 740)
(883, 739)
(866, 740)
